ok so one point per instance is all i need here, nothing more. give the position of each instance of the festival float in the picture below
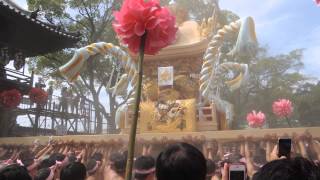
(182, 86)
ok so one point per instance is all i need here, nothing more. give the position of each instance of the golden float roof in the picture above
(189, 42)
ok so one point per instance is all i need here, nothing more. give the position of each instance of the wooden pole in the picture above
(36, 120)
(133, 130)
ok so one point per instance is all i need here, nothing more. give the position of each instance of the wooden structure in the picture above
(24, 34)
(52, 120)
(15, 79)
(208, 135)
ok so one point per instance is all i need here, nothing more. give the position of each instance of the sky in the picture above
(284, 25)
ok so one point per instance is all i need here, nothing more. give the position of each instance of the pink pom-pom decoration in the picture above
(256, 119)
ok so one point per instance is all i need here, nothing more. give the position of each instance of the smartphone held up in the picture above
(237, 172)
(284, 147)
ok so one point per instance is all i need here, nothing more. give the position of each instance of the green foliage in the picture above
(271, 78)
(307, 100)
(93, 19)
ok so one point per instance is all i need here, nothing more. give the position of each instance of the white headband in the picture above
(148, 171)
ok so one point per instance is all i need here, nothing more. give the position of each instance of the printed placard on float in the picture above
(165, 76)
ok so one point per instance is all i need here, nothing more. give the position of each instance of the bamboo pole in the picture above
(133, 130)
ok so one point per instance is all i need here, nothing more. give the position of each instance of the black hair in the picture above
(91, 163)
(97, 156)
(289, 169)
(118, 162)
(73, 171)
(211, 169)
(72, 158)
(181, 161)
(14, 172)
(57, 157)
(143, 163)
(26, 157)
(46, 163)
(42, 174)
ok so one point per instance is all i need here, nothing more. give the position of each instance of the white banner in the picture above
(165, 76)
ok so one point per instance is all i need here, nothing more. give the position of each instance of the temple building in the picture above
(23, 34)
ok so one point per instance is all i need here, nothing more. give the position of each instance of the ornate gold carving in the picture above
(165, 76)
(150, 90)
(172, 116)
(206, 27)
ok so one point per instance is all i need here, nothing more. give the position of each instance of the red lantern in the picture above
(38, 96)
(10, 98)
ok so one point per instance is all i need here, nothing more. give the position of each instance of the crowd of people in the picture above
(164, 159)
(68, 102)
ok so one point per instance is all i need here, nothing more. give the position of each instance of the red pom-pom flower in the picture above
(38, 96)
(317, 2)
(138, 17)
(10, 98)
(255, 119)
(282, 108)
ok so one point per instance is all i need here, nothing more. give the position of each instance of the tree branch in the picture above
(78, 22)
(54, 58)
(84, 81)
(105, 20)
(103, 111)
(90, 19)
(101, 85)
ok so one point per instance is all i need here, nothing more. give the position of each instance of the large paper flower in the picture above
(282, 108)
(138, 17)
(10, 98)
(38, 96)
(255, 119)
(318, 2)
